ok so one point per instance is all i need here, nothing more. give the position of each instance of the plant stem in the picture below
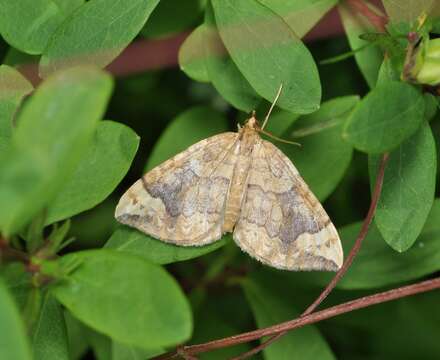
(378, 21)
(8, 253)
(315, 317)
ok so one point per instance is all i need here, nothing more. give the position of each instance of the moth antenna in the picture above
(278, 139)
(272, 106)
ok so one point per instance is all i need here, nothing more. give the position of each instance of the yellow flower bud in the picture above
(426, 69)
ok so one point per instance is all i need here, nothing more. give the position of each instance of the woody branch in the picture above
(312, 318)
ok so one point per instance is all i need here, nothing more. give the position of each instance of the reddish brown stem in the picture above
(312, 318)
(347, 263)
(378, 21)
(8, 253)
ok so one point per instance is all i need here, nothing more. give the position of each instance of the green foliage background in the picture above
(76, 285)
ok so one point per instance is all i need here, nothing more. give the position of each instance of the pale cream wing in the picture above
(182, 200)
(281, 223)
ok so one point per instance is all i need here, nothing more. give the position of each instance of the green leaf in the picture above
(280, 122)
(431, 106)
(271, 306)
(268, 54)
(186, 129)
(49, 336)
(95, 34)
(125, 297)
(368, 326)
(215, 318)
(408, 189)
(29, 24)
(388, 115)
(13, 88)
(127, 352)
(192, 55)
(377, 265)
(133, 241)
(370, 58)
(410, 12)
(53, 131)
(18, 281)
(103, 166)
(161, 24)
(300, 15)
(101, 345)
(387, 72)
(13, 340)
(322, 151)
(77, 336)
(68, 6)
(223, 72)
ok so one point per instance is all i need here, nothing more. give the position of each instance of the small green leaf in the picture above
(300, 15)
(322, 151)
(95, 34)
(370, 58)
(29, 24)
(223, 72)
(13, 87)
(161, 24)
(135, 242)
(387, 72)
(270, 306)
(186, 129)
(192, 55)
(268, 54)
(49, 336)
(53, 131)
(408, 189)
(103, 166)
(388, 115)
(13, 341)
(127, 298)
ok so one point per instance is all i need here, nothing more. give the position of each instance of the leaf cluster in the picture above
(73, 281)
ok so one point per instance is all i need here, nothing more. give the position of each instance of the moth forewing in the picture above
(235, 182)
(181, 201)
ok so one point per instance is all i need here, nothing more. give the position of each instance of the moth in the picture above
(235, 182)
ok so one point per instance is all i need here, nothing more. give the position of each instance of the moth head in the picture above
(252, 122)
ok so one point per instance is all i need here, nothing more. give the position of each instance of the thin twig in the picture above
(347, 263)
(9, 253)
(312, 318)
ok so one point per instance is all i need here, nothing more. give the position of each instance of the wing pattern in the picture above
(281, 223)
(182, 200)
